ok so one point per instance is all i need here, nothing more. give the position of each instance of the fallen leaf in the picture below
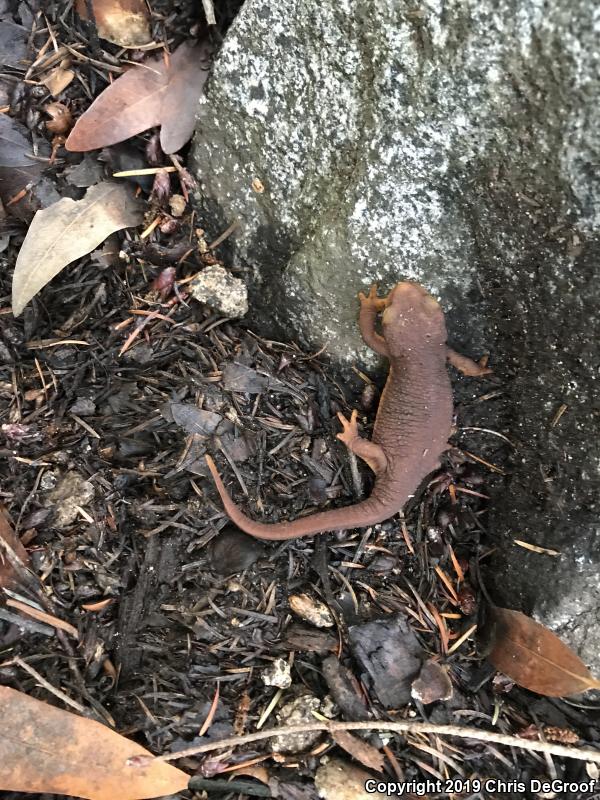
(158, 92)
(360, 750)
(57, 80)
(239, 378)
(432, 684)
(16, 150)
(535, 658)
(7, 534)
(193, 419)
(68, 230)
(46, 749)
(85, 174)
(61, 120)
(23, 188)
(122, 22)
(13, 44)
(17, 165)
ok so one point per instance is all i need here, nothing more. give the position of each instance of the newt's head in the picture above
(412, 318)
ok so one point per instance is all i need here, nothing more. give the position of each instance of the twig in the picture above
(209, 10)
(580, 754)
(42, 616)
(52, 689)
(226, 233)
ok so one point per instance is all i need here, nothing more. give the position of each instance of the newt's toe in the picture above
(371, 299)
(350, 427)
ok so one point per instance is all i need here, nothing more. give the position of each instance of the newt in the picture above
(413, 422)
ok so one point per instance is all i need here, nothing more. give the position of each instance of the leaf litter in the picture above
(535, 658)
(18, 167)
(46, 749)
(123, 22)
(162, 91)
(67, 230)
(188, 366)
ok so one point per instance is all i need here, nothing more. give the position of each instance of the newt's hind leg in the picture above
(370, 452)
(370, 306)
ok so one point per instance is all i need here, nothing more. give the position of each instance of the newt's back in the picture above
(414, 419)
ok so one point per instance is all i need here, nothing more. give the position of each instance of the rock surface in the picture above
(457, 145)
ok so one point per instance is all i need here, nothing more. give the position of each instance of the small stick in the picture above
(226, 233)
(461, 731)
(52, 689)
(129, 173)
(41, 616)
(209, 10)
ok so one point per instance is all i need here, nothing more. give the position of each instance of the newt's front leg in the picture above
(370, 306)
(370, 452)
(466, 365)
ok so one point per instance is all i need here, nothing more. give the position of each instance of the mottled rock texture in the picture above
(458, 144)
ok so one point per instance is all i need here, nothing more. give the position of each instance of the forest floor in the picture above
(180, 629)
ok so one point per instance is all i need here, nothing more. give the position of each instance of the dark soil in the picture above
(172, 605)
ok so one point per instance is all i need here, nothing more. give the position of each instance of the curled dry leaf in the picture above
(161, 92)
(60, 118)
(44, 749)
(68, 230)
(535, 658)
(122, 22)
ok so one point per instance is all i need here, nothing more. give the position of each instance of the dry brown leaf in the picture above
(122, 22)
(68, 230)
(61, 120)
(46, 749)
(535, 658)
(57, 80)
(7, 534)
(432, 684)
(360, 750)
(155, 93)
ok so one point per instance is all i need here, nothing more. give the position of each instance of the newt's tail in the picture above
(369, 512)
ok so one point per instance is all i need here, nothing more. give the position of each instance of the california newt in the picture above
(413, 421)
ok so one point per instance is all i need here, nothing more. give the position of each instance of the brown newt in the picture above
(413, 422)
